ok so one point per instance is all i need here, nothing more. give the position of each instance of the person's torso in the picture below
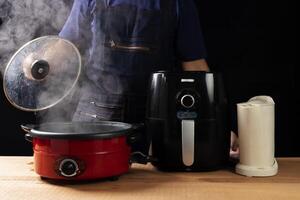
(131, 39)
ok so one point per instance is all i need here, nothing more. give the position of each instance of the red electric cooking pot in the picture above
(39, 76)
(82, 150)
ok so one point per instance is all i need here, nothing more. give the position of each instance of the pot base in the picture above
(81, 159)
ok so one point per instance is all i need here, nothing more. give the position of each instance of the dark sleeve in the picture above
(77, 28)
(190, 42)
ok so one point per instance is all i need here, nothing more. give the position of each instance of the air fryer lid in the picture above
(79, 130)
(41, 73)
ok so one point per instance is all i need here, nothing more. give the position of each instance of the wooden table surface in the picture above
(18, 181)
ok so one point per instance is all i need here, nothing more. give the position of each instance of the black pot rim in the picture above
(112, 129)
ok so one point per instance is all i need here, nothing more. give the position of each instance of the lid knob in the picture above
(40, 69)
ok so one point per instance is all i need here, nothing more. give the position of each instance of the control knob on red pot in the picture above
(68, 168)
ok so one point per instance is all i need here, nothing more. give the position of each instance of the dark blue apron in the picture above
(129, 44)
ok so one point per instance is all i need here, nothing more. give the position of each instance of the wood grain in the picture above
(19, 181)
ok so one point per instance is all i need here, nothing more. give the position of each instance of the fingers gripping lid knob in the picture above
(187, 101)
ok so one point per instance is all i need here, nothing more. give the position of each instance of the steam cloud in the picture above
(23, 21)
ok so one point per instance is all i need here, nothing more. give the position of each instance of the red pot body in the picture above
(95, 158)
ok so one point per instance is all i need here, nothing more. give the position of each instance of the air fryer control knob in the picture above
(68, 168)
(187, 101)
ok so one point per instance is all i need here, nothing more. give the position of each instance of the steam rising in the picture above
(23, 21)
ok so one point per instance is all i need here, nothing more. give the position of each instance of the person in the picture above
(122, 43)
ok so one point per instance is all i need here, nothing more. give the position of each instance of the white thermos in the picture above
(256, 127)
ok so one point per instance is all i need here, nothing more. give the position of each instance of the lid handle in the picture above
(40, 69)
(27, 128)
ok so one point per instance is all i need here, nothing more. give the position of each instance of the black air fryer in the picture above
(188, 119)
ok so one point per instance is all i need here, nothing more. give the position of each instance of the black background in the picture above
(252, 43)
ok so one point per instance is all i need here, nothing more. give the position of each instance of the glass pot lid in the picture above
(41, 73)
